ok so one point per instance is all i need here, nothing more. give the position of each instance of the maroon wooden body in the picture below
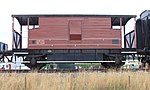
(74, 33)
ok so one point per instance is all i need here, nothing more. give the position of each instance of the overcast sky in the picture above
(9, 7)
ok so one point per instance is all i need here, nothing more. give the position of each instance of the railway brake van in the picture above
(70, 39)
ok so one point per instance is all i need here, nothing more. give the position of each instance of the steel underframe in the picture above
(14, 54)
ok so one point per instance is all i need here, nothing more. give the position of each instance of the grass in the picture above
(76, 81)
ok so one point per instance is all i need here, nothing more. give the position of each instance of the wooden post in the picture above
(124, 36)
(12, 32)
(147, 66)
(25, 83)
(28, 22)
(121, 31)
(129, 81)
(21, 34)
(135, 32)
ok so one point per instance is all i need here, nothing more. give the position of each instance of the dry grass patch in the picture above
(76, 81)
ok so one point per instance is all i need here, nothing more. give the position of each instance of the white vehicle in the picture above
(13, 66)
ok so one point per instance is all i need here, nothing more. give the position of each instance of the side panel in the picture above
(74, 33)
(140, 35)
(143, 34)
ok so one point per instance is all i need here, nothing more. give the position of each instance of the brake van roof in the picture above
(115, 19)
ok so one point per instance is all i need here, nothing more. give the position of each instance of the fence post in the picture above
(129, 81)
(25, 83)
